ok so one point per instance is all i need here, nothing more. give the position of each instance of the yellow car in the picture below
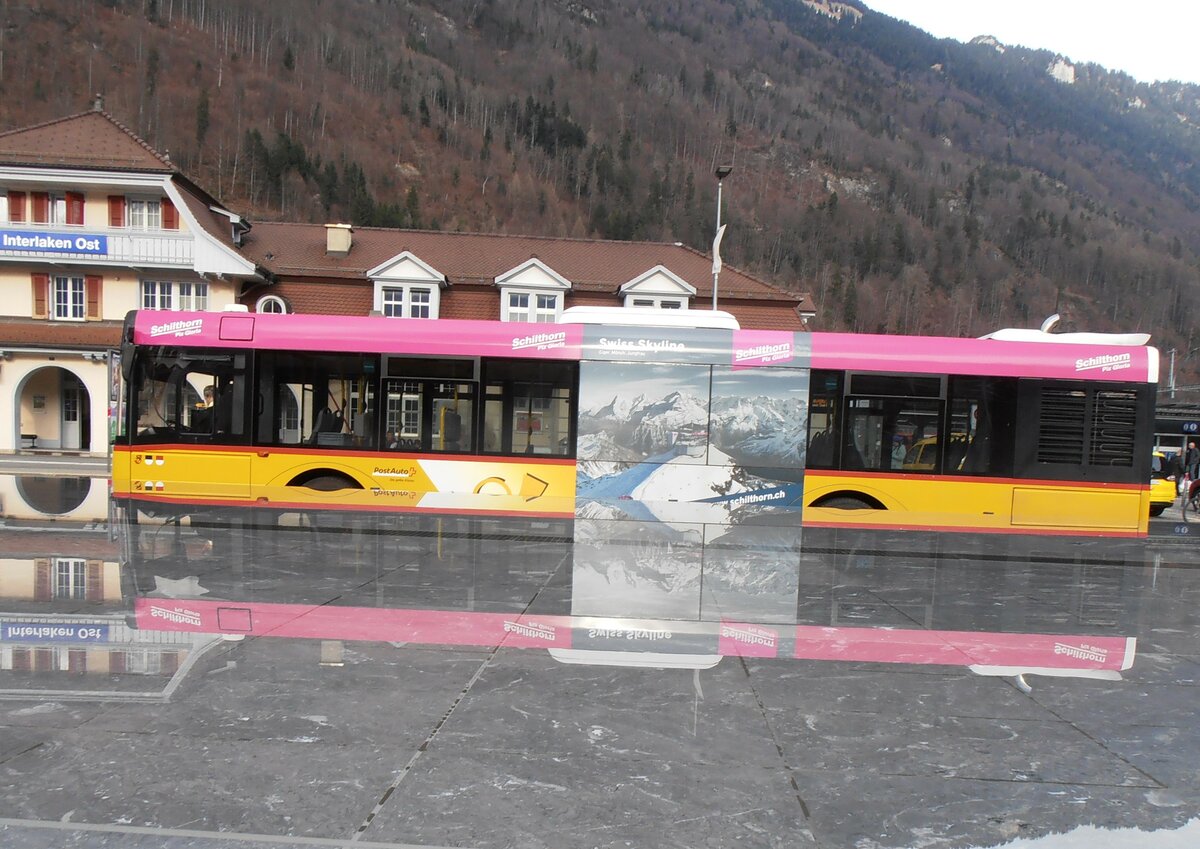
(1162, 485)
(923, 455)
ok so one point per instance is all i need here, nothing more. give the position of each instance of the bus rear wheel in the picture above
(845, 502)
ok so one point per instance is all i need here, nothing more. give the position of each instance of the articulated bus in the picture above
(1020, 432)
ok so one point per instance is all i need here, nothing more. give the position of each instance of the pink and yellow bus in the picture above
(1034, 433)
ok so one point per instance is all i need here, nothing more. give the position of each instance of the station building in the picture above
(94, 223)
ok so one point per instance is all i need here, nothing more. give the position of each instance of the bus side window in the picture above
(825, 402)
(529, 407)
(320, 399)
(983, 421)
(893, 423)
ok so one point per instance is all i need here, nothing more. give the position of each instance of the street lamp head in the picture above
(723, 171)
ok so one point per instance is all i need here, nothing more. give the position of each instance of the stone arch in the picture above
(52, 404)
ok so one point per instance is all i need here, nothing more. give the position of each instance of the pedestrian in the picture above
(1191, 463)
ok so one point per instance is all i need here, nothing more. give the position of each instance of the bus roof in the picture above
(739, 348)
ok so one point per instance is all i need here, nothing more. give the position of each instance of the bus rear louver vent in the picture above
(1114, 417)
(1061, 430)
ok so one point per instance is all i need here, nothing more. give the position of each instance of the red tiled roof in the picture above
(216, 225)
(88, 140)
(297, 251)
(84, 335)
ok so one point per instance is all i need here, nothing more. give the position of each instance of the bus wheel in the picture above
(330, 483)
(845, 502)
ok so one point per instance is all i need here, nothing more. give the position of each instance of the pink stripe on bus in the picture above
(936, 355)
(353, 334)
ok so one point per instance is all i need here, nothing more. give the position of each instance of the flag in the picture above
(717, 250)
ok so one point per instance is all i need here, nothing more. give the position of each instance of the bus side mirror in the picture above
(126, 360)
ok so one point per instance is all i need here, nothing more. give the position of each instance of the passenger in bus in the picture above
(899, 451)
(202, 416)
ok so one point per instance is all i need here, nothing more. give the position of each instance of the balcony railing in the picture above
(96, 246)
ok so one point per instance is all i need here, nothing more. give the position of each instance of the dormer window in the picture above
(406, 301)
(533, 306)
(533, 291)
(406, 287)
(657, 303)
(659, 288)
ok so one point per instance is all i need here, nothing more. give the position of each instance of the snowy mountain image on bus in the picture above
(679, 570)
(657, 442)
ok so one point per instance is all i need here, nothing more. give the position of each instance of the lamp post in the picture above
(1171, 379)
(721, 172)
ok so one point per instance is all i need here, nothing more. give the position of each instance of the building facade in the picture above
(93, 223)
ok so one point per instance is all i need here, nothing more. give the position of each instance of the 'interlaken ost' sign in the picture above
(53, 632)
(90, 244)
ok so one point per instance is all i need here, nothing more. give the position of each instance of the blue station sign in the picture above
(91, 244)
(53, 632)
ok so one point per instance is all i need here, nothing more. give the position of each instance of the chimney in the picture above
(338, 238)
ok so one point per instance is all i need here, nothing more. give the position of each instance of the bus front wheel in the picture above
(330, 483)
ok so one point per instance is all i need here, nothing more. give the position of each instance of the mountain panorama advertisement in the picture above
(717, 438)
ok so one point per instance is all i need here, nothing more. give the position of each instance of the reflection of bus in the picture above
(662, 423)
(608, 595)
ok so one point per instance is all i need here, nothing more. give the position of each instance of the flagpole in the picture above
(721, 173)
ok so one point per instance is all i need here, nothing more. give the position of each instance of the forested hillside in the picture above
(909, 184)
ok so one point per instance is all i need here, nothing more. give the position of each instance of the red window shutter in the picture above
(77, 660)
(93, 285)
(40, 206)
(75, 208)
(16, 206)
(170, 215)
(168, 662)
(94, 588)
(22, 660)
(41, 580)
(116, 211)
(116, 661)
(41, 290)
(43, 660)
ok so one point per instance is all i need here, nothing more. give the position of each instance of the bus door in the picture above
(191, 424)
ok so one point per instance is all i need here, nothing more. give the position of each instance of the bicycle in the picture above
(1191, 502)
